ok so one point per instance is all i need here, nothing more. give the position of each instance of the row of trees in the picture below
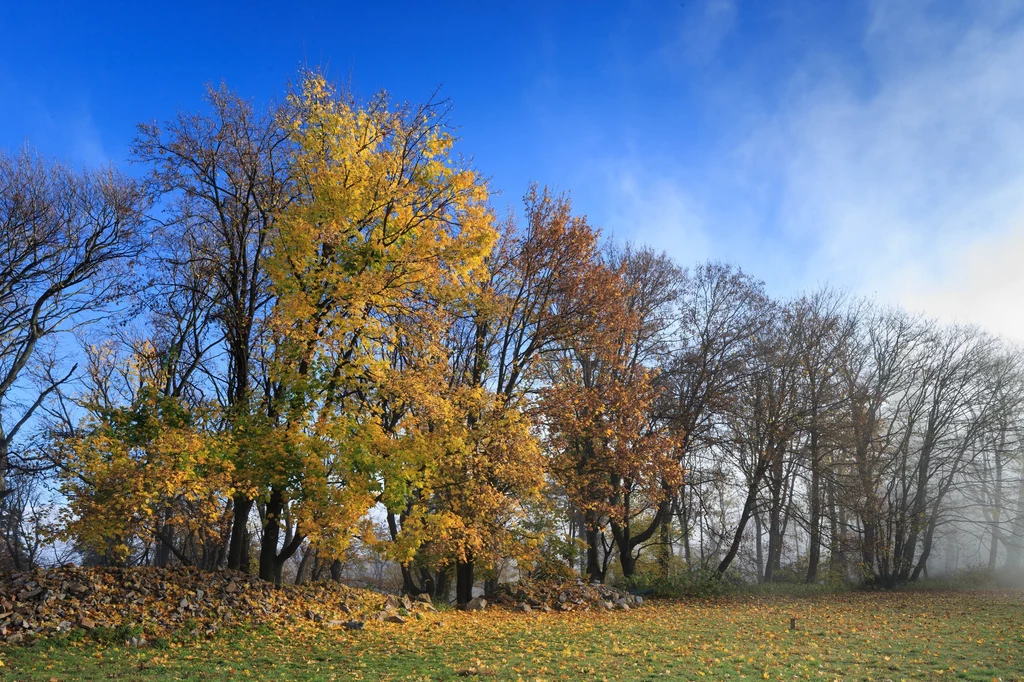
(306, 334)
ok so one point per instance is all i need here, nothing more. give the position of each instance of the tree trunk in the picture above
(442, 585)
(774, 558)
(272, 561)
(836, 554)
(300, 575)
(163, 550)
(929, 538)
(868, 549)
(246, 565)
(869, 511)
(271, 536)
(917, 515)
(993, 550)
(683, 512)
(627, 541)
(665, 548)
(774, 546)
(997, 505)
(427, 582)
(595, 568)
(336, 567)
(464, 582)
(814, 547)
(737, 538)
(238, 548)
(409, 585)
(627, 561)
(926, 550)
(1015, 547)
(759, 548)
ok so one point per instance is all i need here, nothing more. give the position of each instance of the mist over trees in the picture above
(298, 339)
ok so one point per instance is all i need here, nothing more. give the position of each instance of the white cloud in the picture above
(653, 209)
(896, 173)
(984, 285)
(915, 190)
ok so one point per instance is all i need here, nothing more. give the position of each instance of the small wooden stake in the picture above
(792, 623)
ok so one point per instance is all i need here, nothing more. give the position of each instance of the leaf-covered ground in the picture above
(881, 636)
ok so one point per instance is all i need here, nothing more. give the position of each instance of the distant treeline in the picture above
(306, 334)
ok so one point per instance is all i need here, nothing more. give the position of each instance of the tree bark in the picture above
(997, 505)
(272, 561)
(759, 548)
(665, 548)
(300, 574)
(627, 542)
(464, 581)
(1015, 547)
(442, 585)
(683, 512)
(238, 548)
(595, 568)
(814, 548)
(737, 538)
(777, 489)
(163, 550)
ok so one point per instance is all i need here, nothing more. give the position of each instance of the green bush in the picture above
(681, 580)
(685, 583)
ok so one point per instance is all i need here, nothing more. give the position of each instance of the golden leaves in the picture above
(386, 231)
(140, 468)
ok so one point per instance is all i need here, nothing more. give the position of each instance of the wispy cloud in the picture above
(908, 189)
(897, 172)
(62, 126)
(700, 31)
(652, 209)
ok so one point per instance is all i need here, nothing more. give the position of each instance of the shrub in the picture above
(684, 583)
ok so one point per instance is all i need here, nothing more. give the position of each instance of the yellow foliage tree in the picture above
(389, 229)
(137, 471)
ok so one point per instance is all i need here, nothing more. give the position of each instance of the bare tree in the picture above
(877, 367)
(68, 240)
(763, 425)
(720, 310)
(223, 178)
(823, 326)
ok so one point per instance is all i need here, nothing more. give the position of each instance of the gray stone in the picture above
(475, 604)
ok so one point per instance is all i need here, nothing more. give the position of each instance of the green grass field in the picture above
(880, 636)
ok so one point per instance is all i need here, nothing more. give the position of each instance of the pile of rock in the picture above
(160, 601)
(575, 595)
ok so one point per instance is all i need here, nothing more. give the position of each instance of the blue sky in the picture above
(877, 146)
